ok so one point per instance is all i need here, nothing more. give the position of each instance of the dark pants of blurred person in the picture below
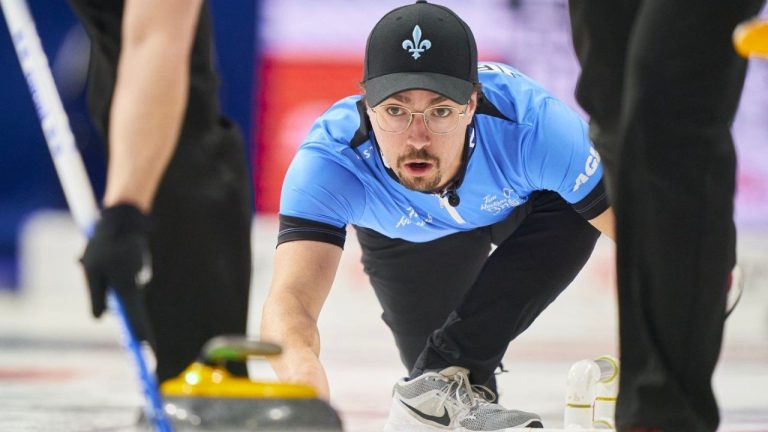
(200, 242)
(661, 83)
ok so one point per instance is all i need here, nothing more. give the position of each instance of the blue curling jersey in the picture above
(521, 140)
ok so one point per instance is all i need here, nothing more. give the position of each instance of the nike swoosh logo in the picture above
(444, 420)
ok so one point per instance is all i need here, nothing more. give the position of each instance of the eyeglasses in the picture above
(439, 120)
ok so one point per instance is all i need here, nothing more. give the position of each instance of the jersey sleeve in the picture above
(293, 228)
(320, 189)
(560, 157)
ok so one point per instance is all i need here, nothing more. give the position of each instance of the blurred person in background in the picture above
(661, 83)
(174, 235)
(440, 159)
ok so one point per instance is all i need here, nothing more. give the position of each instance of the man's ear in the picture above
(472, 105)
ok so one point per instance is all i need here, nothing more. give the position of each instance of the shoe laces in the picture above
(483, 394)
(468, 395)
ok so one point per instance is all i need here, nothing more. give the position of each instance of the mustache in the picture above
(417, 154)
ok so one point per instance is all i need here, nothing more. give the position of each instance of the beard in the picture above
(427, 183)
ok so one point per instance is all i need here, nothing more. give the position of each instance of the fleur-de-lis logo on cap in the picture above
(416, 46)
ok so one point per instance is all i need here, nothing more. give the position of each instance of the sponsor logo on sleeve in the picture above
(590, 167)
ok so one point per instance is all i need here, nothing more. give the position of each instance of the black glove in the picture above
(117, 256)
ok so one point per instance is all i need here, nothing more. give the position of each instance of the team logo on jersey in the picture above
(495, 204)
(413, 218)
(590, 167)
(416, 46)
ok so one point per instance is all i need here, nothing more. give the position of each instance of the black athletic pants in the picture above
(201, 251)
(482, 302)
(661, 82)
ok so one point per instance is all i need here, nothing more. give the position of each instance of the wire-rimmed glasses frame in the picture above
(390, 123)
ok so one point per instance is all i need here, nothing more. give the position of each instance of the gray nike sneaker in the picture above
(446, 400)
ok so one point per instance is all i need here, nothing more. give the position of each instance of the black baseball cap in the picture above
(420, 46)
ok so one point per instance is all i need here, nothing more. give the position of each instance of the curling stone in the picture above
(206, 397)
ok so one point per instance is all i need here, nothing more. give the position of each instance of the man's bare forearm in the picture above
(150, 99)
(286, 322)
(304, 273)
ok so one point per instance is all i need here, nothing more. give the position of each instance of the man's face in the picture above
(422, 160)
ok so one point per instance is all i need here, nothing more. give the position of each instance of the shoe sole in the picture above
(532, 424)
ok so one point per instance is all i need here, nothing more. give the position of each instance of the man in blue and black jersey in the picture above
(440, 159)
